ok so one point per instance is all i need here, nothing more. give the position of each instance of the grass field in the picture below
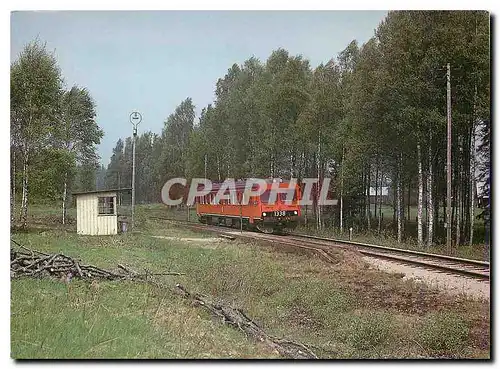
(479, 250)
(346, 310)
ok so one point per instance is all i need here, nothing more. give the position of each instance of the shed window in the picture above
(106, 205)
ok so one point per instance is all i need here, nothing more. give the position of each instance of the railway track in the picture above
(321, 246)
(473, 268)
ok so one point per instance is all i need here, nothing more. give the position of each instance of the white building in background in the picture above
(382, 192)
(96, 212)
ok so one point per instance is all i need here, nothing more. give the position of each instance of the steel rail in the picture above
(406, 251)
(390, 254)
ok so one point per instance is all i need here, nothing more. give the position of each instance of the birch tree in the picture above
(430, 203)
(420, 238)
(79, 134)
(364, 111)
(36, 88)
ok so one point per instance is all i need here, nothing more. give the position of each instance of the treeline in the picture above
(53, 134)
(375, 115)
(158, 157)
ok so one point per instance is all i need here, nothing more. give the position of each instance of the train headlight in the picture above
(264, 214)
(295, 212)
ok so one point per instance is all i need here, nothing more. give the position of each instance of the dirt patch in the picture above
(376, 288)
(30, 229)
(210, 242)
(51, 220)
(480, 325)
(450, 283)
(300, 317)
(353, 260)
(44, 223)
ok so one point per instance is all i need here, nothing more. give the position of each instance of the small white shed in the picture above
(96, 212)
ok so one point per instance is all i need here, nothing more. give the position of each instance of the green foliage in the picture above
(444, 333)
(35, 88)
(85, 178)
(114, 320)
(360, 114)
(352, 118)
(176, 133)
(47, 181)
(80, 132)
(53, 132)
(115, 170)
(367, 331)
(158, 157)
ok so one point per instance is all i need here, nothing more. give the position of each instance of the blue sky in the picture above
(151, 61)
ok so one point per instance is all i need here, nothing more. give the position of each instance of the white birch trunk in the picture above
(24, 201)
(457, 200)
(472, 174)
(218, 167)
(420, 197)
(271, 166)
(64, 197)
(318, 207)
(119, 186)
(13, 192)
(302, 165)
(473, 164)
(205, 166)
(457, 217)
(399, 202)
(342, 193)
(376, 190)
(430, 204)
(472, 187)
(368, 220)
(380, 204)
(409, 201)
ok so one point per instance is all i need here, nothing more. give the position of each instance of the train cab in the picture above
(268, 213)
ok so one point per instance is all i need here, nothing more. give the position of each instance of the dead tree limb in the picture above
(31, 263)
(238, 319)
(26, 262)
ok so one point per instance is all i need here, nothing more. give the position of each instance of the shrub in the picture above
(367, 331)
(443, 333)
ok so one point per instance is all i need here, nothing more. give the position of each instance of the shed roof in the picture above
(103, 191)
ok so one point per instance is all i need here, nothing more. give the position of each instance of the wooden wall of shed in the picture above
(89, 222)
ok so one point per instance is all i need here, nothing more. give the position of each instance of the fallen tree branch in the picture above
(27, 262)
(36, 264)
(238, 319)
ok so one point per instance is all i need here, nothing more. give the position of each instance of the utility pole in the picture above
(342, 193)
(135, 119)
(448, 160)
(133, 175)
(241, 214)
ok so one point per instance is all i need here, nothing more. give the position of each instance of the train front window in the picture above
(286, 197)
(281, 196)
(264, 198)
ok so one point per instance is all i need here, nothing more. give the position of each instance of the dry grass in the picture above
(345, 310)
(477, 251)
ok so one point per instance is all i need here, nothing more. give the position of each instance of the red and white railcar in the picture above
(258, 213)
